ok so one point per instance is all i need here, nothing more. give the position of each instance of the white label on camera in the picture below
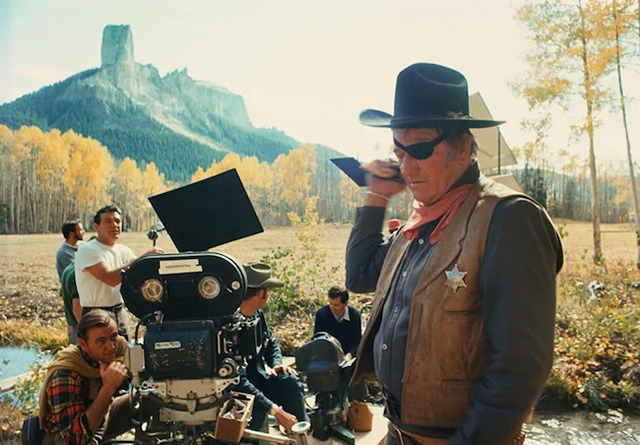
(167, 345)
(179, 266)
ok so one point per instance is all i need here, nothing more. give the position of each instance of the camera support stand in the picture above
(342, 434)
(297, 436)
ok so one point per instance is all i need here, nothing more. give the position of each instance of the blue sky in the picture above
(306, 67)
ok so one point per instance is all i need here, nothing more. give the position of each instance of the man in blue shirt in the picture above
(276, 386)
(73, 232)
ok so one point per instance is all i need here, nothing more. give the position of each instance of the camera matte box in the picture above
(323, 376)
(180, 349)
(320, 359)
(207, 213)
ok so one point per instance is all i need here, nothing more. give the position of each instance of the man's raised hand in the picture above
(113, 374)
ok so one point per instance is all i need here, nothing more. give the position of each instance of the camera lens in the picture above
(209, 287)
(152, 290)
(228, 368)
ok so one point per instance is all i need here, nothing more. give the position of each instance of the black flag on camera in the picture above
(207, 213)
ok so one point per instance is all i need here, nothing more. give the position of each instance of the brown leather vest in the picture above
(446, 349)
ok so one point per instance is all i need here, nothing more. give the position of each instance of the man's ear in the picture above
(467, 147)
(82, 344)
(95, 227)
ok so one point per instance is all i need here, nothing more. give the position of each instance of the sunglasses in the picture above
(422, 150)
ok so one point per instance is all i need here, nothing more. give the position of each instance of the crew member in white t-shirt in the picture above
(99, 265)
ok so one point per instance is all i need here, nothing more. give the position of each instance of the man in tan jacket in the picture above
(461, 330)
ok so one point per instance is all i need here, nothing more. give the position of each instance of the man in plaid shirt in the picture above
(77, 404)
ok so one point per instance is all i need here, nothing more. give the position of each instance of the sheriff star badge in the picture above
(455, 278)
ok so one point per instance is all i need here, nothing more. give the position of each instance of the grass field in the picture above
(27, 262)
(618, 240)
(29, 285)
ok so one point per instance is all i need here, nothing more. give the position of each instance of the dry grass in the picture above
(29, 285)
(618, 240)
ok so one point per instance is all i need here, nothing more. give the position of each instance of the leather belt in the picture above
(112, 309)
(406, 438)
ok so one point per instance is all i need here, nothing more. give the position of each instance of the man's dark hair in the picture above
(339, 291)
(457, 134)
(106, 209)
(96, 318)
(69, 227)
(251, 291)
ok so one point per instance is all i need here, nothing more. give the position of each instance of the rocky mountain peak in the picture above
(117, 46)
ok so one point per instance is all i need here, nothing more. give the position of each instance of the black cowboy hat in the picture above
(428, 96)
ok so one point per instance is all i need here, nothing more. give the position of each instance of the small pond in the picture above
(15, 361)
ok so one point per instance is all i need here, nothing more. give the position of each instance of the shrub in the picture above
(306, 276)
(22, 332)
(597, 363)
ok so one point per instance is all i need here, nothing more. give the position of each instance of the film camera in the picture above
(193, 347)
(327, 375)
(194, 342)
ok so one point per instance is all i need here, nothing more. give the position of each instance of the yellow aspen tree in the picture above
(257, 178)
(127, 185)
(6, 179)
(199, 175)
(350, 197)
(293, 174)
(27, 144)
(152, 183)
(51, 165)
(624, 15)
(89, 176)
(231, 160)
(568, 58)
(248, 171)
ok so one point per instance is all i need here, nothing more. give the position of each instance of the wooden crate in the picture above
(234, 417)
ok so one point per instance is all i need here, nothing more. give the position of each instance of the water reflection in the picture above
(15, 361)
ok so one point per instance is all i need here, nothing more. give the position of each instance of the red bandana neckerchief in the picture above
(446, 207)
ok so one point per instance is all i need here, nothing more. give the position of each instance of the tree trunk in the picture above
(634, 188)
(595, 202)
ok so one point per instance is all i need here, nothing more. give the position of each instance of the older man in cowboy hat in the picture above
(461, 330)
(276, 386)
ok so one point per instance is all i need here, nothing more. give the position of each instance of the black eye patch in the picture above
(422, 150)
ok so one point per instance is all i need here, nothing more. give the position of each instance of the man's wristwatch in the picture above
(273, 409)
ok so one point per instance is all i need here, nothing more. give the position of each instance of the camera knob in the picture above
(228, 368)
